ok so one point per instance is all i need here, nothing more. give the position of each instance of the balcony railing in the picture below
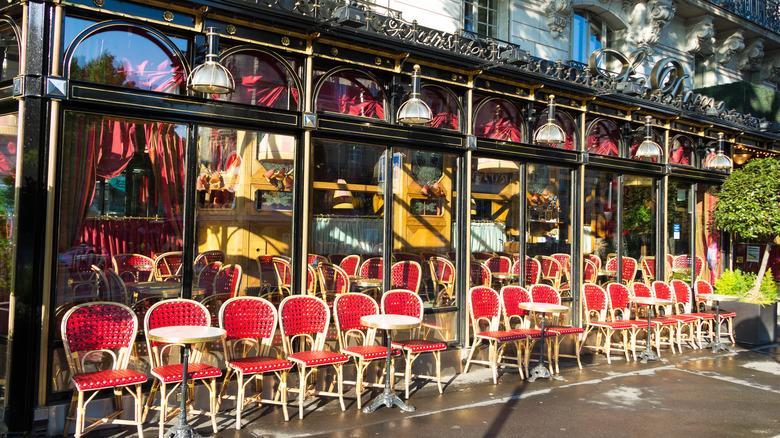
(765, 13)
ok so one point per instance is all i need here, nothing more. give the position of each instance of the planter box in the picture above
(754, 324)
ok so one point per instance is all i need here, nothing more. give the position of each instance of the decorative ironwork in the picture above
(765, 13)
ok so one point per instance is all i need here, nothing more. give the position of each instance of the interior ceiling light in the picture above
(648, 148)
(414, 111)
(211, 77)
(550, 132)
(720, 161)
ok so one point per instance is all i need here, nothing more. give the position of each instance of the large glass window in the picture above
(600, 217)
(681, 150)
(708, 238)
(481, 17)
(679, 224)
(498, 119)
(603, 138)
(262, 80)
(589, 33)
(350, 92)
(9, 51)
(121, 189)
(639, 224)
(8, 152)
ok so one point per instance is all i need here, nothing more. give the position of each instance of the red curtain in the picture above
(116, 148)
(120, 236)
(166, 151)
(77, 185)
(353, 94)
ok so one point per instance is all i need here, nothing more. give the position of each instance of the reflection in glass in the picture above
(680, 150)
(679, 222)
(444, 106)
(708, 240)
(499, 119)
(9, 52)
(8, 151)
(350, 92)
(600, 215)
(261, 80)
(603, 138)
(563, 120)
(219, 161)
(639, 224)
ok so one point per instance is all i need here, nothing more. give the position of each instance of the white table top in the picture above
(719, 297)
(652, 301)
(501, 275)
(543, 307)
(185, 334)
(390, 322)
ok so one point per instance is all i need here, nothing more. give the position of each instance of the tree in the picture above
(749, 205)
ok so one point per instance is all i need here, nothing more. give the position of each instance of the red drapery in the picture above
(346, 93)
(77, 185)
(166, 151)
(121, 236)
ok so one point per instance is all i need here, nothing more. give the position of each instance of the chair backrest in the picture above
(167, 266)
(699, 265)
(702, 287)
(619, 301)
(311, 280)
(250, 322)
(533, 271)
(402, 302)
(207, 276)
(133, 267)
(480, 274)
(98, 326)
(316, 258)
(350, 264)
(283, 271)
(682, 296)
(228, 280)
(590, 272)
(681, 261)
(551, 270)
(565, 261)
(333, 280)
(207, 257)
(442, 270)
(629, 268)
(480, 255)
(348, 308)
(116, 289)
(372, 268)
(596, 260)
(265, 268)
(177, 311)
(648, 269)
(499, 264)
(544, 293)
(511, 296)
(451, 255)
(303, 317)
(662, 290)
(484, 307)
(595, 302)
(641, 290)
(406, 275)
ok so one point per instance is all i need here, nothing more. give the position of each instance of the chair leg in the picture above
(301, 389)
(213, 402)
(608, 345)
(163, 409)
(340, 376)
(471, 354)
(150, 399)
(437, 358)
(409, 360)
(80, 414)
(139, 403)
(74, 401)
(359, 381)
(228, 375)
(239, 397)
(493, 359)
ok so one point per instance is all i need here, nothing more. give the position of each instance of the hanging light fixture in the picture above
(550, 132)
(414, 111)
(492, 165)
(342, 197)
(648, 148)
(720, 161)
(211, 77)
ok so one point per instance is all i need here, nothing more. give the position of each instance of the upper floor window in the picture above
(484, 17)
(589, 33)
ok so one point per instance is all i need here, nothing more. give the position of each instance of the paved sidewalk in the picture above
(692, 394)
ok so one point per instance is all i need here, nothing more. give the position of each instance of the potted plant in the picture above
(749, 205)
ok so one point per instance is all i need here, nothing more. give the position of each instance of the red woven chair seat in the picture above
(616, 325)
(310, 358)
(195, 371)
(419, 345)
(534, 333)
(107, 379)
(369, 351)
(501, 336)
(664, 321)
(564, 329)
(703, 315)
(683, 317)
(259, 364)
(723, 314)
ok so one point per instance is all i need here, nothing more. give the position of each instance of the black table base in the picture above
(716, 345)
(648, 354)
(182, 430)
(540, 371)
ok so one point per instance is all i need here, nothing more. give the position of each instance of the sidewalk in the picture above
(692, 394)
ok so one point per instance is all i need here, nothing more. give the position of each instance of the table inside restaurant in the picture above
(389, 323)
(162, 289)
(540, 370)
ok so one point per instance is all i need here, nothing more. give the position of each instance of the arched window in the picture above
(565, 121)
(444, 106)
(638, 138)
(680, 150)
(603, 138)
(127, 56)
(498, 119)
(261, 79)
(351, 92)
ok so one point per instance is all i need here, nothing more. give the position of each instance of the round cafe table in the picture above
(540, 370)
(365, 282)
(187, 335)
(716, 344)
(389, 323)
(162, 289)
(651, 303)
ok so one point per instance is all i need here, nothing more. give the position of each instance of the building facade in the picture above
(107, 153)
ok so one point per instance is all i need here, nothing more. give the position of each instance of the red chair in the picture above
(499, 264)
(665, 318)
(648, 269)
(480, 274)
(404, 302)
(704, 287)
(684, 310)
(306, 318)
(628, 268)
(207, 257)
(596, 305)
(533, 271)
(516, 319)
(167, 266)
(85, 276)
(443, 275)
(481, 256)
(565, 261)
(250, 323)
(336, 258)
(552, 271)
(543, 293)
(133, 267)
(485, 309)
(316, 258)
(206, 277)
(108, 329)
(348, 308)
(596, 260)
(372, 268)
(333, 282)
(350, 264)
(269, 286)
(283, 275)
(177, 312)
(590, 272)
(406, 275)
(227, 284)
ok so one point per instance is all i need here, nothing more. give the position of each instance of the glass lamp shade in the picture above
(211, 77)
(414, 112)
(550, 132)
(491, 165)
(720, 162)
(648, 149)
(742, 158)
(342, 199)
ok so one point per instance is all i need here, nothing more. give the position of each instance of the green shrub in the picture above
(738, 283)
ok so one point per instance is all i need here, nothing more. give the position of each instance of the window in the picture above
(589, 33)
(483, 17)
(699, 71)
